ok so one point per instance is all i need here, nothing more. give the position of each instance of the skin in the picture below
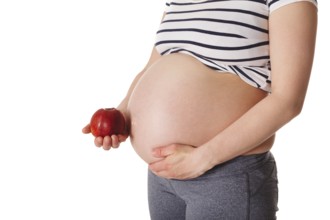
(292, 50)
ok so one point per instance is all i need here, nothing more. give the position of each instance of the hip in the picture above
(245, 187)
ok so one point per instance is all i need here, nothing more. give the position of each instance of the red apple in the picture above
(107, 121)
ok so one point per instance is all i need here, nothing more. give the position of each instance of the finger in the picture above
(162, 174)
(159, 166)
(98, 141)
(86, 129)
(107, 143)
(164, 151)
(168, 174)
(115, 141)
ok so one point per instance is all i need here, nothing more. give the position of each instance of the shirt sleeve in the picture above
(275, 4)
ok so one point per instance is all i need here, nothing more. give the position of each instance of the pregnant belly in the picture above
(180, 100)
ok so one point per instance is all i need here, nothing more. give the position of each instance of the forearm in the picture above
(253, 128)
(292, 50)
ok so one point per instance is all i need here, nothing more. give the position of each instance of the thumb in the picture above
(86, 129)
(164, 151)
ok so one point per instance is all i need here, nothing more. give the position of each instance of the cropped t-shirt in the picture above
(226, 35)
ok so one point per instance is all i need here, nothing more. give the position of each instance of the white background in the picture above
(62, 60)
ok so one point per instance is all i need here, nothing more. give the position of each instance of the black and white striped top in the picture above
(226, 35)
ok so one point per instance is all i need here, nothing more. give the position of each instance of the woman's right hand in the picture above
(106, 142)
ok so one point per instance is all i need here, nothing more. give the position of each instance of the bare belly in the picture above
(180, 100)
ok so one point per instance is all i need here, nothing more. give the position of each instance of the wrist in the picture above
(208, 155)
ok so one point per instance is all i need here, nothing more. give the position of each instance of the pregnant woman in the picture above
(223, 77)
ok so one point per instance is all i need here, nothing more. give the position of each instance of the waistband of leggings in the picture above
(244, 163)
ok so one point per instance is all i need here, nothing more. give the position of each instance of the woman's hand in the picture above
(107, 142)
(180, 162)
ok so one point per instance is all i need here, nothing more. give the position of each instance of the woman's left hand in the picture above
(179, 161)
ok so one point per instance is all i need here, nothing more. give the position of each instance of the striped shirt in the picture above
(226, 35)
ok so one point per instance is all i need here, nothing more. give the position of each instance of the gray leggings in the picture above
(244, 188)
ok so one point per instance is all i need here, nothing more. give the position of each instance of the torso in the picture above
(180, 100)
